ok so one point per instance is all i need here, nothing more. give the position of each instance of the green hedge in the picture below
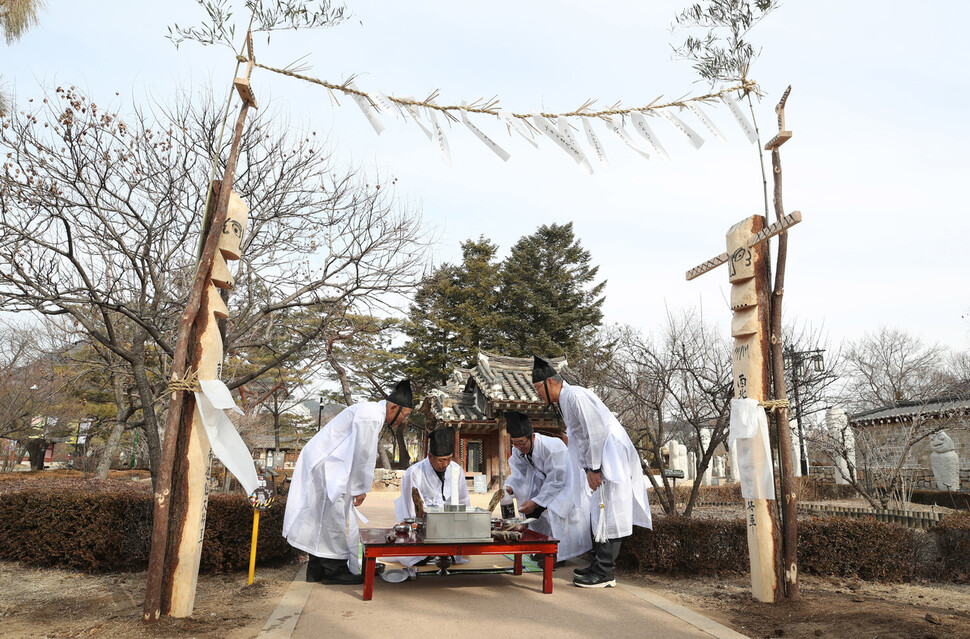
(862, 548)
(111, 532)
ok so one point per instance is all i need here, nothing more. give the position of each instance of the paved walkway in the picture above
(488, 606)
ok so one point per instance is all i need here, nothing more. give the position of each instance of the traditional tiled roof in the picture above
(505, 383)
(900, 411)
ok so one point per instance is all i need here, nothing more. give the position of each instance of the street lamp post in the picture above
(320, 414)
(797, 359)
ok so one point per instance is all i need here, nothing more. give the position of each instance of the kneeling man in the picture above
(547, 484)
(432, 477)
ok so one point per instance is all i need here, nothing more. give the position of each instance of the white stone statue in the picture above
(691, 465)
(945, 461)
(682, 462)
(837, 423)
(706, 434)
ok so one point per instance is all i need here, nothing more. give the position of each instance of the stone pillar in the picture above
(705, 440)
(837, 424)
(796, 447)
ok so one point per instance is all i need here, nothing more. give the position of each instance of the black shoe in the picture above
(592, 580)
(379, 569)
(342, 579)
(582, 572)
(313, 577)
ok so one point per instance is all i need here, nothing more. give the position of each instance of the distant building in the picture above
(474, 402)
(887, 430)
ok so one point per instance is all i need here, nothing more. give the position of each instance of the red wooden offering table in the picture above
(376, 545)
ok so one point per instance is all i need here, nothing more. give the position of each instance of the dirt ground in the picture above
(829, 607)
(57, 603)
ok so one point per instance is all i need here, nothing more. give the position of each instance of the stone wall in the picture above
(385, 479)
(918, 478)
(825, 474)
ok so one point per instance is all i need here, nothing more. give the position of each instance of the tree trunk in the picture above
(404, 456)
(149, 421)
(385, 460)
(342, 376)
(116, 431)
(35, 450)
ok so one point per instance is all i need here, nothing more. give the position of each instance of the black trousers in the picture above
(604, 557)
(319, 567)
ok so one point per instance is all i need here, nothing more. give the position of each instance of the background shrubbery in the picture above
(88, 529)
(861, 548)
(105, 526)
(806, 489)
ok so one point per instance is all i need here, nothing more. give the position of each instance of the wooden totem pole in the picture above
(747, 259)
(182, 485)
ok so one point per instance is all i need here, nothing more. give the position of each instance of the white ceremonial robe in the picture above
(597, 440)
(551, 480)
(434, 493)
(336, 465)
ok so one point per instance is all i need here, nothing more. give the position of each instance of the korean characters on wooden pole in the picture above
(747, 260)
(748, 274)
(193, 460)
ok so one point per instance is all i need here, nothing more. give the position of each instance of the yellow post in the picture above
(252, 552)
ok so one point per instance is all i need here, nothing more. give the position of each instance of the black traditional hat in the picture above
(541, 369)
(441, 442)
(401, 395)
(517, 424)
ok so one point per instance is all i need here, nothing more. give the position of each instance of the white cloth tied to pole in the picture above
(749, 432)
(224, 439)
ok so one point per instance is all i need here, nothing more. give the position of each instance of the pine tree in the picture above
(548, 300)
(454, 315)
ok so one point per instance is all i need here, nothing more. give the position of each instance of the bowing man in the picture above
(433, 477)
(603, 449)
(333, 474)
(547, 485)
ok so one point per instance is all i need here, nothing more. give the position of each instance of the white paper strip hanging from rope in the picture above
(369, 111)
(553, 134)
(417, 118)
(692, 136)
(620, 131)
(696, 109)
(565, 130)
(641, 126)
(518, 125)
(439, 138)
(386, 105)
(213, 398)
(487, 141)
(738, 114)
(595, 143)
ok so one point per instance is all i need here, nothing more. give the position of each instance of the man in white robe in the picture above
(333, 474)
(547, 486)
(433, 476)
(602, 447)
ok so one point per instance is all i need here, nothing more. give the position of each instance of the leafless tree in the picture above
(100, 218)
(891, 365)
(677, 387)
(891, 368)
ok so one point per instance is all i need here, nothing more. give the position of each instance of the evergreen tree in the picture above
(548, 300)
(454, 315)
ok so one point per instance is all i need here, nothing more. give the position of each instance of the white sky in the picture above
(877, 164)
